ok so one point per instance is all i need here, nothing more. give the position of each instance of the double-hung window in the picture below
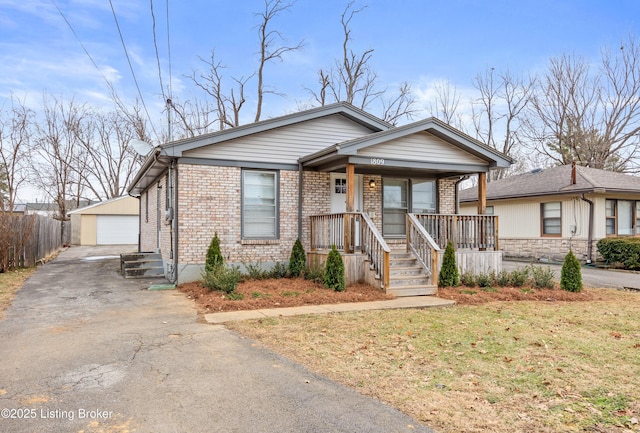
(551, 215)
(259, 204)
(622, 217)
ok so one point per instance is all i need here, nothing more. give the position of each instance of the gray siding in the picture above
(422, 147)
(287, 144)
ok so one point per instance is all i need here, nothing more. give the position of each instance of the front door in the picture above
(339, 197)
(339, 193)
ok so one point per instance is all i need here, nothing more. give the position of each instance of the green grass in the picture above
(520, 366)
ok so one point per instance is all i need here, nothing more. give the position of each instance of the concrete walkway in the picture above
(405, 302)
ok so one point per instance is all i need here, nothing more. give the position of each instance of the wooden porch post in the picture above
(482, 204)
(349, 225)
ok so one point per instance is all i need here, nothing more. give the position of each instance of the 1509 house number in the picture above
(377, 161)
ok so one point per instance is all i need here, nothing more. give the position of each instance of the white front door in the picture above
(339, 197)
(339, 193)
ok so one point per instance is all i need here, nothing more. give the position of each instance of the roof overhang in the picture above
(155, 164)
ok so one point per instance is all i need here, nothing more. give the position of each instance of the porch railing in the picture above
(423, 247)
(479, 232)
(350, 232)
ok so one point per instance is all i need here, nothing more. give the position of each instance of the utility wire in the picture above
(155, 44)
(83, 47)
(169, 52)
(124, 46)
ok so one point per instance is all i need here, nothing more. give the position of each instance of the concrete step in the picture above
(406, 270)
(415, 290)
(142, 265)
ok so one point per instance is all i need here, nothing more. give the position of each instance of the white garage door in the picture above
(117, 229)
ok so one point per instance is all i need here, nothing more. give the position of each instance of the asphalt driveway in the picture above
(84, 350)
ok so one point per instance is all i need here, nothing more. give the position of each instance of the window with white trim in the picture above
(259, 204)
(551, 214)
(622, 217)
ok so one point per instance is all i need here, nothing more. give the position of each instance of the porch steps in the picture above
(406, 276)
(141, 265)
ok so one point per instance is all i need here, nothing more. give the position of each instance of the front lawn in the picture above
(501, 366)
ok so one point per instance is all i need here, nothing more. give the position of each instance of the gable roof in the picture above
(554, 181)
(158, 159)
(370, 121)
(432, 125)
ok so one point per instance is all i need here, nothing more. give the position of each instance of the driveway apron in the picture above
(84, 350)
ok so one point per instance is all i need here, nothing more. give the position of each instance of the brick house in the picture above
(329, 175)
(544, 213)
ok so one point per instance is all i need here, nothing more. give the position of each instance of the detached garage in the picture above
(111, 222)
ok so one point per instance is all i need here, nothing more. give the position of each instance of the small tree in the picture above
(334, 271)
(298, 259)
(448, 276)
(214, 256)
(571, 277)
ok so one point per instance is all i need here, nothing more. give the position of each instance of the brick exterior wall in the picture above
(554, 249)
(210, 202)
(316, 199)
(447, 196)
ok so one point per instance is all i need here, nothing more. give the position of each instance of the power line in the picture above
(155, 44)
(83, 47)
(169, 51)
(135, 80)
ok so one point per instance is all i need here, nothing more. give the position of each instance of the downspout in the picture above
(590, 235)
(173, 197)
(300, 185)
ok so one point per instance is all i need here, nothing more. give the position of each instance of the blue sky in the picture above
(418, 41)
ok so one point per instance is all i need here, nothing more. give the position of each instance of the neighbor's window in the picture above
(622, 217)
(551, 218)
(259, 204)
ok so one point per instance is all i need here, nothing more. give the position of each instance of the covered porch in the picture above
(394, 234)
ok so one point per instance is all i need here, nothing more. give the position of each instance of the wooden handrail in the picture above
(375, 247)
(423, 247)
(339, 229)
(464, 231)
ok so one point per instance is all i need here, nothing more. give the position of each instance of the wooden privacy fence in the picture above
(26, 240)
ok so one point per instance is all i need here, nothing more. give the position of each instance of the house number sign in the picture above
(377, 161)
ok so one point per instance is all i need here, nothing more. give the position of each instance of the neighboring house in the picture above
(18, 208)
(544, 213)
(110, 222)
(52, 209)
(329, 175)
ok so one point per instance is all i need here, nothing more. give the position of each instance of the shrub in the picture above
(502, 279)
(214, 256)
(542, 278)
(621, 250)
(223, 278)
(519, 277)
(298, 259)
(314, 273)
(468, 279)
(448, 276)
(279, 270)
(334, 271)
(255, 271)
(484, 280)
(571, 276)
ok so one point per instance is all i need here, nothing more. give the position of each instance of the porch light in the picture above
(372, 183)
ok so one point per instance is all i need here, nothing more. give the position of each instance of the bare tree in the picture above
(446, 104)
(15, 136)
(105, 164)
(591, 117)
(352, 80)
(269, 48)
(497, 121)
(56, 150)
